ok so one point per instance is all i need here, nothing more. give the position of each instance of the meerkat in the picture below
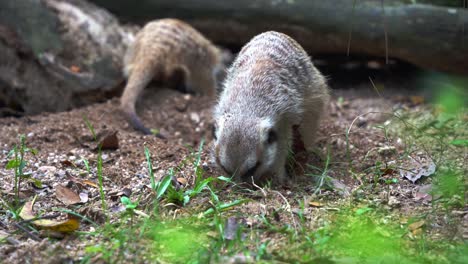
(162, 49)
(271, 87)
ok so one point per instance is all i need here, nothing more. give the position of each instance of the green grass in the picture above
(357, 229)
(165, 239)
(17, 162)
(188, 224)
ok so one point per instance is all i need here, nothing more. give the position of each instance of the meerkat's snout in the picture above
(240, 159)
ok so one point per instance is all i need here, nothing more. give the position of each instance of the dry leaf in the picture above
(417, 168)
(75, 69)
(416, 232)
(316, 204)
(340, 187)
(67, 163)
(182, 181)
(141, 213)
(90, 183)
(66, 195)
(68, 225)
(416, 225)
(109, 140)
(424, 193)
(387, 171)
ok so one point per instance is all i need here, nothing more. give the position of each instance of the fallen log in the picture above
(56, 55)
(433, 37)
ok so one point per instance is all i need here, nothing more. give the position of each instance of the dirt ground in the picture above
(64, 141)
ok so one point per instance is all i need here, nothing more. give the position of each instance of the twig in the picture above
(288, 208)
(27, 232)
(260, 188)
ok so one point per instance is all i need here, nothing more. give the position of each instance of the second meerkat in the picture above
(271, 87)
(161, 49)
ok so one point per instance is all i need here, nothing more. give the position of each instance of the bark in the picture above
(429, 36)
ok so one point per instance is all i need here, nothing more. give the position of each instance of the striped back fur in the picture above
(161, 48)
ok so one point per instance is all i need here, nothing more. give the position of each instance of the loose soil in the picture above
(64, 141)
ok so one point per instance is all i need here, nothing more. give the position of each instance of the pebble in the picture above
(47, 169)
(393, 201)
(195, 117)
(61, 173)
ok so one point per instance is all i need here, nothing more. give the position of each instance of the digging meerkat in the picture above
(161, 49)
(271, 87)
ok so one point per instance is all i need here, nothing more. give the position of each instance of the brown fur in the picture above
(161, 49)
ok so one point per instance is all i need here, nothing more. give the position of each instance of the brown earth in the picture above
(63, 141)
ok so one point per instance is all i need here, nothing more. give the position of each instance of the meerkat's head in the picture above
(247, 147)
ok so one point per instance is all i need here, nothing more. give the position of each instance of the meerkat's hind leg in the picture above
(179, 79)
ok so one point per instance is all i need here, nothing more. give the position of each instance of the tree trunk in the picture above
(429, 36)
(56, 55)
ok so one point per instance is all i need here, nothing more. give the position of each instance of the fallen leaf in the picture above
(67, 163)
(90, 183)
(66, 195)
(84, 197)
(68, 225)
(340, 187)
(109, 140)
(141, 213)
(416, 232)
(387, 171)
(315, 204)
(416, 225)
(125, 192)
(75, 69)
(424, 193)
(182, 181)
(417, 168)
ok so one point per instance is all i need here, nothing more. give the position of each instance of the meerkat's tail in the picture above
(139, 78)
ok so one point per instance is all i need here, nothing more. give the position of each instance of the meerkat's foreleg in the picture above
(311, 119)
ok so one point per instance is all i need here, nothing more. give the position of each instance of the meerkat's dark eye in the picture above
(272, 137)
(213, 131)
